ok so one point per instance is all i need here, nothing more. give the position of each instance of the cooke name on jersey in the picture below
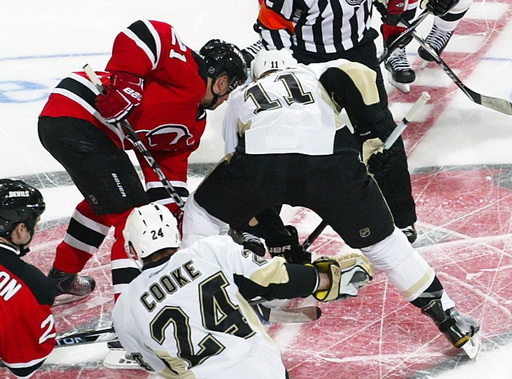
(168, 284)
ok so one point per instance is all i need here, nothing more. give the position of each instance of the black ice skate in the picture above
(410, 232)
(437, 39)
(461, 330)
(401, 72)
(70, 287)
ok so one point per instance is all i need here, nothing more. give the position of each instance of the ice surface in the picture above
(459, 153)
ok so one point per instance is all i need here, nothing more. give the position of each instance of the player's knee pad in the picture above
(390, 252)
(405, 267)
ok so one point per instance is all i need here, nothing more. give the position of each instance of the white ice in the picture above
(42, 41)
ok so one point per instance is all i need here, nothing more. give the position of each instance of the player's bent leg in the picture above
(85, 233)
(198, 223)
(417, 282)
(405, 267)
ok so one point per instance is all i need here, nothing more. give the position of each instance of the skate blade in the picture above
(472, 347)
(66, 299)
(402, 87)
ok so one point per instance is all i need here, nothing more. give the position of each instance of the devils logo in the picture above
(168, 135)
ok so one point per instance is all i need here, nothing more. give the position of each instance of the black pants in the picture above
(396, 183)
(336, 187)
(102, 172)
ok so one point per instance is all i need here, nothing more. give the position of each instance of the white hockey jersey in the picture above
(306, 122)
(186, 317)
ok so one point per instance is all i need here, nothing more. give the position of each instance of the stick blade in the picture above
(66, 299)
(500, 105)
(296, 315)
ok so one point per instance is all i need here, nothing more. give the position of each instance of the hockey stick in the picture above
(405, 37)
(138, 143)
(105, 334)
(500, 105)
(399, 129)
(108, 333)
(397, 132)
(494, 103)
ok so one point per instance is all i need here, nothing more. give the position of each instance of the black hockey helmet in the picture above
(19, 203)
(222, 57)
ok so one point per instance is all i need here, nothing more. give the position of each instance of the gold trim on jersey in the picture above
(364, 79)
(179, 367)
(272, 273)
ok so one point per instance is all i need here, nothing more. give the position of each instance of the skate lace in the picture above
(438, 39)
(398, 60)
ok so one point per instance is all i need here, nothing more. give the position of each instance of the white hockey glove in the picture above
(348, 274)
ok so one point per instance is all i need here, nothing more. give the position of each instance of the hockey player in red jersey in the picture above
(448, 14)
(27, 327)
(163, 88)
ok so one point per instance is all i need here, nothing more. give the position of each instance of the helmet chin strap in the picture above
(215, 95)
(23, 249)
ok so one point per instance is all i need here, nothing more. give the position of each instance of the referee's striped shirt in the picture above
(321, 26)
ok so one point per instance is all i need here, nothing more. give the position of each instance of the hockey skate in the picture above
(70, 287)
(401, 73)
(437, 39)
(461, 330)
(410, 232)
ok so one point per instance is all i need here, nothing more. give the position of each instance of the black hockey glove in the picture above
(288, 247)
(439, 7)
(380, 163)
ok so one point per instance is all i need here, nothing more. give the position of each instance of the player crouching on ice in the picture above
(186, 314)
(292, 148)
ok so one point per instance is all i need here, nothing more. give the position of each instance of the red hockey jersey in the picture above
(27, 330)
(169, 120)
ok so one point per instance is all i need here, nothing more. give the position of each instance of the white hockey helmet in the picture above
(271, 60)
(151, 228)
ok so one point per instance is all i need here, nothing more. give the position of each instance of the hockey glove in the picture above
(395, 9)
(249, 241)
(439, 7)
(124, 93)
(380, 162)
(347, 275)
(288, 247)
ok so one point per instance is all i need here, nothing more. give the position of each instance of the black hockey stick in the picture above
(138, 143)
(104, 334)
(500, 105)
(405, 37)
(108, 333)
(494, 103)
(397, 132)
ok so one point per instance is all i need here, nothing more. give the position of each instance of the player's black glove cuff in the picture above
(288, 247)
